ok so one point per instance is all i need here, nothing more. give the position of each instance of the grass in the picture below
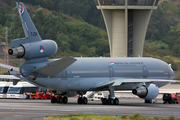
(135, 116)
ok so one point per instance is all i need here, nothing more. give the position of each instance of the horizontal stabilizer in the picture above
(9, 77)
(54, 68)
(9, 67)
(119, 82)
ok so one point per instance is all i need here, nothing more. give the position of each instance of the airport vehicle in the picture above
(3, 88)
(71, 76)
(93, 95)
(22, 90)
(40, 94)
(178, 96)
(170, 98)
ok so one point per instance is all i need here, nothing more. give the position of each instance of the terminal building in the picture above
(126, 24)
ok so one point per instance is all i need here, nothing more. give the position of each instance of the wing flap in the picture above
(54, 68)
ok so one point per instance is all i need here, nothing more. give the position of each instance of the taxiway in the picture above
(16, 109)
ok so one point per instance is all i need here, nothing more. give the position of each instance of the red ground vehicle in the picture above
(48, 95)
(170, 98)
(178, 96)
(39, 94)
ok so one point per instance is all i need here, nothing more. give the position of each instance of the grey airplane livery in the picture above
(72, 76)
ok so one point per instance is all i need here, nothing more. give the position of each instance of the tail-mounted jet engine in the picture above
(33, 50)
(147, 93)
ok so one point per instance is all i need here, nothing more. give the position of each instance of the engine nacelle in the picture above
(33, 50)
(147, 93)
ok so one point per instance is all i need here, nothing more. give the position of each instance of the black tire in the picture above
(41, 97)
(104, 101)
(27, 97)
(59, 99)
(65, 100)
(53, 99)
(79, 100)
(84, 100)
(111, 101)
(148, 101)
(116, 101)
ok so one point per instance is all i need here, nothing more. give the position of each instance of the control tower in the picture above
(126, 23)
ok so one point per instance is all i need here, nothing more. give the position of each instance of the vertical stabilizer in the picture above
(29, 29)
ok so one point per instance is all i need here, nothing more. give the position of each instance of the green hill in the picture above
(78, 28)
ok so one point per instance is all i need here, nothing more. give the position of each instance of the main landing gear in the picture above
(82, 100)
(111, 98)
(59, 99)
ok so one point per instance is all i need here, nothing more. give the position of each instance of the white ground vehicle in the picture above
(4, 88)
(21, 90)
(91, 95)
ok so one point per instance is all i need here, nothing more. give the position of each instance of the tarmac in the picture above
(30, 109)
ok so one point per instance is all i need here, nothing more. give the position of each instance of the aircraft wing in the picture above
(119, 82)
(54, 68)
(9, 77)
(9, 67)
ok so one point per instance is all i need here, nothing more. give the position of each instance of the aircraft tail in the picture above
(32, 46)
(30, 30)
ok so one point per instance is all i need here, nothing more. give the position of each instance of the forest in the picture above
(79, 30)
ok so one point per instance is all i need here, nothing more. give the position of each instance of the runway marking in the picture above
(20, 104)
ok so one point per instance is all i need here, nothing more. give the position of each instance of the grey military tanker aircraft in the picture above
(72, 76)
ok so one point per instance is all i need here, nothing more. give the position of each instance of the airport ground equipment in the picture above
(71, 76)
(170, 98)
(41, 94)
(94, 95)
(178, 96)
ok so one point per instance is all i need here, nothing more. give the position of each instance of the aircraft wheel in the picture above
(104, 101)
(80, 100)
(59, 99)
(169, 102)
(110, 101)
(148, 101)
(65, 100)
(116, 101)
(53, 99)
(84, 100)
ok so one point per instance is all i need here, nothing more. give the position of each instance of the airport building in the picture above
(126, 23)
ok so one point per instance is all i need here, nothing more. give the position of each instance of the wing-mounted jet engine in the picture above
(147, 93)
